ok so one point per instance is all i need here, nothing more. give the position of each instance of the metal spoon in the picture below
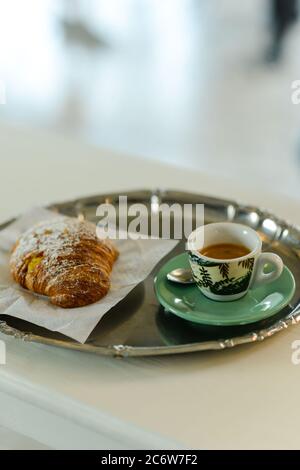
(181, 276)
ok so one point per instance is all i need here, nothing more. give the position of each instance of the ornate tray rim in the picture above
(121, 350)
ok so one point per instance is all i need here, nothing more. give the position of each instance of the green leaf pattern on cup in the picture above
(202, 262)
(231, 285)
(247, 263)
(222, 278)
(224, 269)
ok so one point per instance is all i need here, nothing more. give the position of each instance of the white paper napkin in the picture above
(135, 263)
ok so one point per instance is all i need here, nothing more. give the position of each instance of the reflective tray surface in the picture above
(139, 326)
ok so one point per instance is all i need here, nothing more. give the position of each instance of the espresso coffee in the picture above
(225, 251)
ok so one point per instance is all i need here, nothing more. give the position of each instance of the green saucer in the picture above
(186, 301)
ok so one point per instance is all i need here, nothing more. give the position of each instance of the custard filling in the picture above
(34, 262)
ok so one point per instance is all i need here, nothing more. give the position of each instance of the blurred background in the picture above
(204, 84)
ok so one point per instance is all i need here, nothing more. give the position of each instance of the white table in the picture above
(241, 398)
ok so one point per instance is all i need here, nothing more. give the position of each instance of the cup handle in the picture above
(259, 276)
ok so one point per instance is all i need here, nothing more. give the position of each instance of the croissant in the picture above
(64, 260)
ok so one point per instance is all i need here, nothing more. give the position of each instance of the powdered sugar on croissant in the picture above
(64, 260)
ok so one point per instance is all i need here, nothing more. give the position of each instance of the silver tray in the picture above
(139, 326)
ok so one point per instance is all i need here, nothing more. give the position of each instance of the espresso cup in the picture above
(230, 279)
